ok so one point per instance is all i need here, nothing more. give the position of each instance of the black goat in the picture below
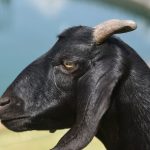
(90, 82)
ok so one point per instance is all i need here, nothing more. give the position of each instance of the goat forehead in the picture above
(77, 35)
(66, 49)
(72, 50)
(74, 47)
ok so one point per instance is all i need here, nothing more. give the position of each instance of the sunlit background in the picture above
(28, 28)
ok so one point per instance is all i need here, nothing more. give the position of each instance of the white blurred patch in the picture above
(50, 8)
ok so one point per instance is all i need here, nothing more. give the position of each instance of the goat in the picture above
(90, 81)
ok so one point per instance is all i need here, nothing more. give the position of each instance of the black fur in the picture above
(107, 97)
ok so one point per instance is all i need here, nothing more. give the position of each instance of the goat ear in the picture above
(95, 89)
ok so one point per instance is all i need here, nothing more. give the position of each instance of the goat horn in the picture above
(110, 27)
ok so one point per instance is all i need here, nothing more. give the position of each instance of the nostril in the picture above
(4, 101)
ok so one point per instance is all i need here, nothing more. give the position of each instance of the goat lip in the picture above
(13, 119)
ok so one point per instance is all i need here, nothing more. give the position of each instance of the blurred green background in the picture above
(28, 28)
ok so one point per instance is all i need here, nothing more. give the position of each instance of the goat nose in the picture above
(4, 101)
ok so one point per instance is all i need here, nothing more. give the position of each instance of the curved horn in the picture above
(110, 27)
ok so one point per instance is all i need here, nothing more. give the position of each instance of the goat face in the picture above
(43, 95)
(69, 86)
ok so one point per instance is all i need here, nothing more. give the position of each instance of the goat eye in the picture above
(70, 66)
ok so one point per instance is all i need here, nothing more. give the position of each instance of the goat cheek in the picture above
(64, 81)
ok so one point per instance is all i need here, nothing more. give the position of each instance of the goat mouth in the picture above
(14, 119)
(17, 124)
